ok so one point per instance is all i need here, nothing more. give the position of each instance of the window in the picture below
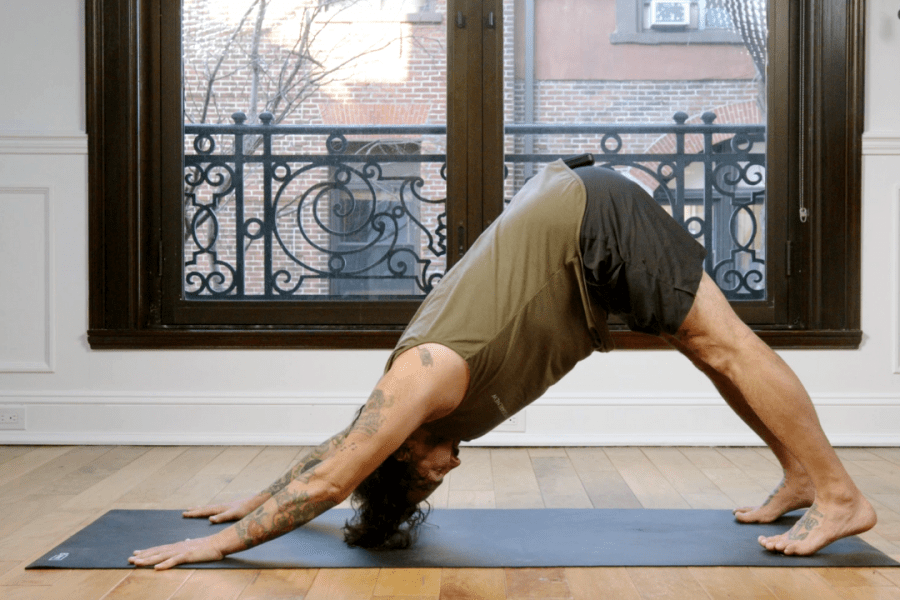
(130, 88)
(675, 22)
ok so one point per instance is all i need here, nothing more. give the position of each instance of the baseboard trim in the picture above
(490, 440)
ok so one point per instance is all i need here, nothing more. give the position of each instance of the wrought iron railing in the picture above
(301, 211)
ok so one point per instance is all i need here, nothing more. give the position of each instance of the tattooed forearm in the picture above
(371, 419)
(425, 357)
(292, 509)
(307, 463)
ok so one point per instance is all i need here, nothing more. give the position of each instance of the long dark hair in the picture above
(386, 519)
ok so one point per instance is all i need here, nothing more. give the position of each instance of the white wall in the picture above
(74, 395)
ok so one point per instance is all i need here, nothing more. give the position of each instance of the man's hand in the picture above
(189, 551)
(230, 511)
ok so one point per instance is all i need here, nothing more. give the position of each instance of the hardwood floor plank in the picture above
(27, 510)
(279, 584)
(420, 583)
(47, 474)
(852, 577)
(147, 584)
(888, 454)
(21, 577)
(11, 452)
(267, 466)
(213, 477)
(891, 574)
(706, 458)
(346, 584)
(39, 536)
(159, 490)
(592, 583)
(219, 584)
(515, 485)
(73, 585)
(668, 583)
(866, 593)
(543, 584)
(857, 454)
(467, 584)
(794, 584)
(650, 487)
(25, 463)
(600, 479)
(737, 486)
(105, 493)
(474, 473)
(750, 460)
(888, 525)
(731, 583)
(110, 463)
(559, 483)
(470, 499)
(547, 453)
(689, 481)
(7, 565)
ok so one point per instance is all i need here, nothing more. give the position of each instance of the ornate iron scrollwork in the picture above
(358, 216)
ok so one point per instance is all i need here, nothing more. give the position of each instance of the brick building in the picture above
(382, 62)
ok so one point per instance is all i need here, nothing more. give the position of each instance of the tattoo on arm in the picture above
(306, 464)
(425, 357)
(371, 419)
(293, 509)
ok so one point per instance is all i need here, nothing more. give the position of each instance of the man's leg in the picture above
(713, 335)
(796, 489)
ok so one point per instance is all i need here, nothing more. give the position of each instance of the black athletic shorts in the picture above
(639, 264)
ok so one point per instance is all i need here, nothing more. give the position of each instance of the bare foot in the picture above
(792, 493)
(823, 524)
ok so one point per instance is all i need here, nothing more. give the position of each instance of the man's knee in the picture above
(712, 332)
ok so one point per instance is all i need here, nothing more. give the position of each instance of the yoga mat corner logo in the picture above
(58, 557)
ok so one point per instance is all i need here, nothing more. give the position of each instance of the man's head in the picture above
(387, 501)
(432, 457)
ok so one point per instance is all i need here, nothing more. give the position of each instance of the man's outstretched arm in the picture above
(419, 387)
(238, 509)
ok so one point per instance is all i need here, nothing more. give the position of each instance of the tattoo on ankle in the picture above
(806, 524)
(774, 493)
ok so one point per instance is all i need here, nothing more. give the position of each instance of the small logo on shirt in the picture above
(500, 406)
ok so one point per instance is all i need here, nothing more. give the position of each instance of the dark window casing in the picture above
(818, 116)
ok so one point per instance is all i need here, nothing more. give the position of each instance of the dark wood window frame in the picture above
(821, 119)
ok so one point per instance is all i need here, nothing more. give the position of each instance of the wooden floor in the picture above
(47, 493)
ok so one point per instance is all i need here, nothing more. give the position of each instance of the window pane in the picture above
(677, 103)
(314, 148)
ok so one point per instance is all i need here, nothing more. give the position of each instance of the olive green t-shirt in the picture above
(516, 307)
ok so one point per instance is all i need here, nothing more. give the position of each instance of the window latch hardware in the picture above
(491, 23)
(460, 20)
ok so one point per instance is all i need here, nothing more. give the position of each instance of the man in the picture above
(526, 303)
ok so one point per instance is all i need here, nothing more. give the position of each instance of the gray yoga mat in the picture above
(475, 538)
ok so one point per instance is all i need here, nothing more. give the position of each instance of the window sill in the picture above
(347, 338)
(652, 37)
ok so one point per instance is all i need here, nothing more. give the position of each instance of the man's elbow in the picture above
(332, 493)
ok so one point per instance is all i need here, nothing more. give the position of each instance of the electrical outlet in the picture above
(514, 424)
(12, 417)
